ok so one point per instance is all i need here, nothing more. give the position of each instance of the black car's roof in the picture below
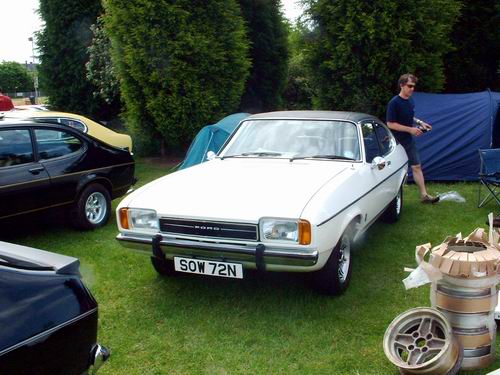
(14, 121)
(323, 115)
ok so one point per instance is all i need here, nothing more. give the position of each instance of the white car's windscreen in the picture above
(289, 138)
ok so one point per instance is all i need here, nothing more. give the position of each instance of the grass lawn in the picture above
(266, 323)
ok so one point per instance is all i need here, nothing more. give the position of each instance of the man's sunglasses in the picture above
(410, 86)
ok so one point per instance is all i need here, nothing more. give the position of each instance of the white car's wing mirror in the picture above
(210, 155)
(379, 163)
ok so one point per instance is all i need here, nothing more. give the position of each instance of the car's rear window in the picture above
(15, 147)
(55, 143)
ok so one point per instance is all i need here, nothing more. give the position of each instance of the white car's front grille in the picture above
(210, 229)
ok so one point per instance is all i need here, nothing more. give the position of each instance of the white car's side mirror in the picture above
(210, 155)
(379, 163)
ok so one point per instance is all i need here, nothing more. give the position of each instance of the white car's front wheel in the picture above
(334, 277)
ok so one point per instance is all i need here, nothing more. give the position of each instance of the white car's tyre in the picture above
(393, 211)
(334, 277)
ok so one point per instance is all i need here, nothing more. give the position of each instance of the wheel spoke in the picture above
(404, 339)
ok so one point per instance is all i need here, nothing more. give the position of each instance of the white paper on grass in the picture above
(423, 274)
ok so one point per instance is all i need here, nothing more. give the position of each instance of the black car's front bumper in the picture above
(255, 255)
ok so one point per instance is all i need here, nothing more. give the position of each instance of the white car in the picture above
(289, 191)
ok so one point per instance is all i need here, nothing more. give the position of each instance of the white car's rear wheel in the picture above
(393, 211)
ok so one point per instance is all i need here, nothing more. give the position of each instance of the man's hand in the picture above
(415, 131)
(425, 125)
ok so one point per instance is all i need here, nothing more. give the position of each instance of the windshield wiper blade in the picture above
(256, 153)
(332, 157)
(261, 153)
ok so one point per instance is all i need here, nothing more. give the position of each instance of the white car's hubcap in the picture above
(398, 203)
(344, 258)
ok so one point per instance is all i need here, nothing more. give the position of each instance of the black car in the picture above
(48, 318)
(47, 165)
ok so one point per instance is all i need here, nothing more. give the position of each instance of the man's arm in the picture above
(402, 128)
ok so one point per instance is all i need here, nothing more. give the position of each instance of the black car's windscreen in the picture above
(295, 138)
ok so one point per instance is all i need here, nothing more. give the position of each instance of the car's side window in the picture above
(384, 138)
(55, 143)
(15, 147)
(370, 141)
(74, 124)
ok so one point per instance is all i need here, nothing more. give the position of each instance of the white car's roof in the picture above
(337, 115)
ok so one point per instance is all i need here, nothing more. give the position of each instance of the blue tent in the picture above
(461, 124)
(211, 138)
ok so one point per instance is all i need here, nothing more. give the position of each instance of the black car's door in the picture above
(24, 182)
(62, 155)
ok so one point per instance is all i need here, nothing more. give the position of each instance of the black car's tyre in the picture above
(393, 211)
(164, 267)
(334, 277)
(92, 209)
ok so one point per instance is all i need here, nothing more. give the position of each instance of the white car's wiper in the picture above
(332, 157)
(256, 153)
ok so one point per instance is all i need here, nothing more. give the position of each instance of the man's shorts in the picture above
(412, 153)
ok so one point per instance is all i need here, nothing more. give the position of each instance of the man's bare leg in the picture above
(418, 177)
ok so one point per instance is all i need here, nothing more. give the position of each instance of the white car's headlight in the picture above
(137, 218)
(298, 231)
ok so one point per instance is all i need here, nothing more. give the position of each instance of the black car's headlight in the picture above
(286, 230)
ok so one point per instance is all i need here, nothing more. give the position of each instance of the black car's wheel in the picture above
(393, 211)
(164, 267)
(92, 209)
(334, 277)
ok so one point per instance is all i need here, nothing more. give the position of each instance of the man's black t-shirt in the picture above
(401, 111)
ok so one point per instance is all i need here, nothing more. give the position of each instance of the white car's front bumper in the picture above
(254, 255)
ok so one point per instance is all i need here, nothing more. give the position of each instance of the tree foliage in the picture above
(361, 47)
(15, 77)
(100, 70)
(298, 91)
(63, 53)
(267, 33)
(181, 64)
(473, 65)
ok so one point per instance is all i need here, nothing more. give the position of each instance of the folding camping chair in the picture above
(489, 175)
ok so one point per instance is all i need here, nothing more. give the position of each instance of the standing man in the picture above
(400, 119)
(5, 102)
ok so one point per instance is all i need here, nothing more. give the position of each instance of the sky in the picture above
(19, 21)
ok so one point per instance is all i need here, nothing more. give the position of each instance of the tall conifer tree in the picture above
(63, 53)
(360, 48)
(181, 65)
(473, 65)
(269, 55)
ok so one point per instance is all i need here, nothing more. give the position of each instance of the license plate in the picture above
(209, 267)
